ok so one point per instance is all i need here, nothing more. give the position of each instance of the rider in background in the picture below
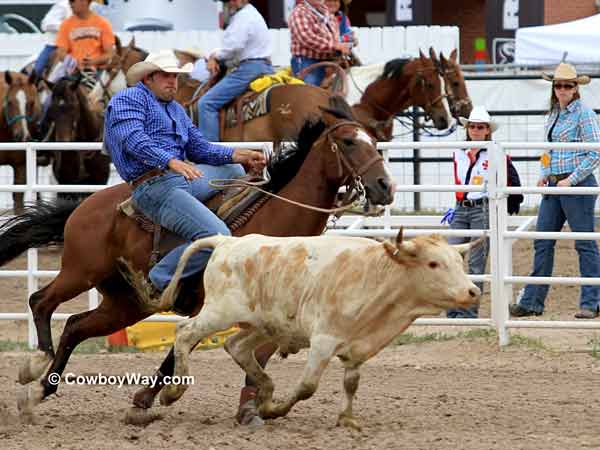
(315, 37)
(246, 39)
(86, 37)
(50, 25)
(344, 27)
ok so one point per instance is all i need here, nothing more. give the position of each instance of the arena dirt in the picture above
(463, 393)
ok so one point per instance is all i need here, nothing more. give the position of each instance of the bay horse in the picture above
(331, 152)
(392, 87)
(20, 112)
(74, 119)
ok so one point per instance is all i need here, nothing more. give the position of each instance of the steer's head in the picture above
(435, 272)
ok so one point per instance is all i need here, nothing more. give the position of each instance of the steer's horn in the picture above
(464, 248)
(399, 236)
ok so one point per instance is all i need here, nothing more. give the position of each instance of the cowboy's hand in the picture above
(564, 183)
(189, 171)
(213, 66)
(344, 47)
(252, 160)
(542, 182)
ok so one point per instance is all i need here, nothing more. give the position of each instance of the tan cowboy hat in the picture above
(163, 60)
(479, 115)
(566, 72)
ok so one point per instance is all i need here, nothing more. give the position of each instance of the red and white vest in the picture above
(470, 167)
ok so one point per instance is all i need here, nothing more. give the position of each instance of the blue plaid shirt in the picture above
(142, 133)
(576, 123)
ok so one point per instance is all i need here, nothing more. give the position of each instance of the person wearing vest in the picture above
(344, 27)
(471, 209)
(246, 40)
(569, 120)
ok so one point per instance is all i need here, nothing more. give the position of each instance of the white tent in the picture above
(547, 44)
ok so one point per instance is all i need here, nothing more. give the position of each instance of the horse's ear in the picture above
(422, 55)
(432, 54)
(132, 42)
(8, 77)
(329, 116)
(453, 55)
(118, 45)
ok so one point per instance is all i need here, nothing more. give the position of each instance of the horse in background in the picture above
(21, 111)
(72, 118)
(454, 81)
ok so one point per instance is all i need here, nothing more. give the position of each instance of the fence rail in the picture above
(500, 235)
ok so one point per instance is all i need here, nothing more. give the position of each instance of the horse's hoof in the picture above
(171, 393)
(248, 415)
(144, 398)
(140, 416)
(34, 367)
(27, 399)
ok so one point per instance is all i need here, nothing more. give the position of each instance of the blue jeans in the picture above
(175, 203)
(474, 218)
(578, 211)
(42, 60)
(232, 85)
(314, 77)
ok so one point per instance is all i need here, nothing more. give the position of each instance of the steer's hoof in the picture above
(140, 416)
(348, 422)
(144, 398)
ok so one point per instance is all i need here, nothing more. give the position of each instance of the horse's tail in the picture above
(42, 224)
(170, 293)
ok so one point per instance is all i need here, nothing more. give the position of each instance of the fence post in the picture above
(498, 223)
(32, 254)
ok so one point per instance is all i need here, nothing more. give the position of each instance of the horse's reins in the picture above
(343, 162)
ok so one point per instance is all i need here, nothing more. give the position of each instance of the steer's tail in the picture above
(170, 293)
(42, 224)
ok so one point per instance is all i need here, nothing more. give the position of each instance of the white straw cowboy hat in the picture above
(479, 115)
(163, 61)
(566, 72)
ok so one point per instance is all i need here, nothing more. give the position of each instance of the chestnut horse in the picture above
(97, 238)
(20, 112)
(73, 119)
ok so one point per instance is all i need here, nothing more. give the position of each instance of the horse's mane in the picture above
(284, 166)
(393, 68)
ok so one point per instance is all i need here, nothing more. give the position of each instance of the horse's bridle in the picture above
(421, 80)
(377, 125)
(343, 162)
(10, 121)
(454, 104)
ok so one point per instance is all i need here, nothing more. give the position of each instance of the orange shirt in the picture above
(90, 37)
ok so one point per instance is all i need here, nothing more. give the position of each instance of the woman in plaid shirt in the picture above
(568, 121)
(315, 37)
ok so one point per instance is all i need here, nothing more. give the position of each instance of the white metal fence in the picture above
(503, 232)
(375, 44)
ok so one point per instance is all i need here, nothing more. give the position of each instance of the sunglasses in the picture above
(478, 126)
(564, 86)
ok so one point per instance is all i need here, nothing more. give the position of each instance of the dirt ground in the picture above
(463, 393)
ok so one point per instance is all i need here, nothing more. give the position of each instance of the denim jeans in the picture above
(578, 211)
(232, 85)
(474, 218)
(42, 59)
(314, 77)
(175, 203)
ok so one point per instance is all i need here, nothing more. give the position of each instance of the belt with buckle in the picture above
(556, 178)
(468, 203)
(145, 177)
